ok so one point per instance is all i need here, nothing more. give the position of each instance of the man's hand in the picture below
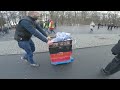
(48, 38)
(49, 42)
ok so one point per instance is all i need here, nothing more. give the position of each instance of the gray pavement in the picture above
(80, 35)
(85, 29)
(87, 65)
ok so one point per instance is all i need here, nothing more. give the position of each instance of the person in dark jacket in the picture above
(114, 65)
(99, 25)
(112, 25)
(109, 25)
(24, 31)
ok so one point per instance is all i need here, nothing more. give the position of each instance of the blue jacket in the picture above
(32, 29)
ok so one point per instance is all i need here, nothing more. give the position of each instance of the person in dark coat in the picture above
(113, 66)
(24, 31)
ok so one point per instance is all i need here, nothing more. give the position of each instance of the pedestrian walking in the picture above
(24, 31)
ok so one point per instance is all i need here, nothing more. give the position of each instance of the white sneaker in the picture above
(35, 65)
(22, 58)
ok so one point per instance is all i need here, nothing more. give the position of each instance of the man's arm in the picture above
(29, 27)
(41, 30)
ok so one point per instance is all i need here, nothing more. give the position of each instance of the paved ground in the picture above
(87, 65)
(80, 35)
(74, 30)
(83, 29)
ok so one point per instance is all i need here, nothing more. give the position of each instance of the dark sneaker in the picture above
(35, 65)
(103, 71)
(22, 58)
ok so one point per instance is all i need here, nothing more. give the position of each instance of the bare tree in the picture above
(2, 20)
(22, 14)
(51, 14)
(6, 13)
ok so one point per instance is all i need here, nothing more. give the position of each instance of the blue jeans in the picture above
(46, 30)
(52, 31)
(29, 48)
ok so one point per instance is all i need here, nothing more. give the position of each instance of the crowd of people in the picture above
(110, 26)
